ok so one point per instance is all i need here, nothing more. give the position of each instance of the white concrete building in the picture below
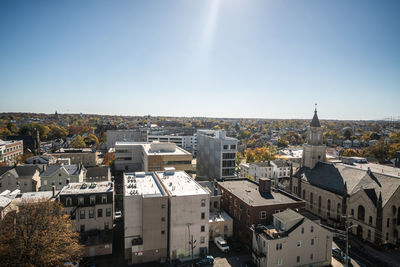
(189, 205)
(187, 142)
(145, 218)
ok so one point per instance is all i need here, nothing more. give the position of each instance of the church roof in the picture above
(333, 177)
(315, 120)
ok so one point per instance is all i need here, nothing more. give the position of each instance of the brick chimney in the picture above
(264, 185)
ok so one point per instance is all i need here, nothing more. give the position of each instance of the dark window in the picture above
(82, 228)
(361, 213)
(163, 232)
(82, 214)
(163, 219)
(203, 228)
(203, 202)
(387, 222)
(302, 230)
(225, 146)
(312, 242)
(163, 206)
(215, 204)
(319, 204)
(370, 220)
(203, 215)
(312, 229)
(298, 258)
(91, 214)
(311, 200)
(352, 212)
(100, 213)
(108, 212)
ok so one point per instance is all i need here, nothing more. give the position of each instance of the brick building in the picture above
(9, 151)
(248, 203)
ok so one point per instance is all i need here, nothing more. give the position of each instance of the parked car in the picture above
(221, 244)
(340, 256)
(207, 260)
(118, 215)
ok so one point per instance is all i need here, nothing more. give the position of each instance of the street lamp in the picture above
(347, 242)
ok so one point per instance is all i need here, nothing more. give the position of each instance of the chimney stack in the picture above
(264, 185)
(54, 190)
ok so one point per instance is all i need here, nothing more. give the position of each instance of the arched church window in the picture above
(361, 213)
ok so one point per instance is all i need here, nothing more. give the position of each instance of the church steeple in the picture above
(315, 120)
(314, 150)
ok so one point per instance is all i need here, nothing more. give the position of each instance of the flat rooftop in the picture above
(124, 143)
(164, 149)
(219, 217)
(247, 191)
(142, 183)
(87, 188)
(179, 183)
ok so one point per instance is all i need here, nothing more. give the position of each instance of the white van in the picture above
(221, 244)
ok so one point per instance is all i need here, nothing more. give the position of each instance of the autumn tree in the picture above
(109, 158)
(91, 139)
(350, 153)
(78, 142)
(260, 154)
(38, 234)
(57, 132)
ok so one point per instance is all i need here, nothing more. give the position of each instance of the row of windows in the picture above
(226, 147)
(82, 213)
(106, 226)
(298, 258)
(81, 200)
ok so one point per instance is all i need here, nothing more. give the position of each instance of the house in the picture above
(91, 207)
(220, 224)
(292, 240)
(41, 159)
(85, 156)
(24, 178)
(59, 175)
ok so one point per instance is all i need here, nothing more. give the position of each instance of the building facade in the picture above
(23, 178)
(216, 154)
(132, 135)
(60, 175)
(145, 218)
(10, 150)
(91, 207)
(292, 240)
(83, 156)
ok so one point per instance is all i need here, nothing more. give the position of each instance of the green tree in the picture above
(78, 142)
(91, 139)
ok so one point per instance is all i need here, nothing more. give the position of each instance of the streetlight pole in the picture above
(347, 241)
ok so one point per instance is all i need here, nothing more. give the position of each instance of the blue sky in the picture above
(215, 58)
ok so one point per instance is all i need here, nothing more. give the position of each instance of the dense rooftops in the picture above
(178, 183)
(142, 183)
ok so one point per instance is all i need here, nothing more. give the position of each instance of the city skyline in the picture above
(220, 59)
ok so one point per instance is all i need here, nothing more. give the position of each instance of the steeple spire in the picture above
(315, 120)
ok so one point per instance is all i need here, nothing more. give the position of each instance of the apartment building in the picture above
(91, 206)
(248, 203)
(216, 154)
(292, 240)
(60, 175)
(98, 174)
(189, 206)
(10, 150)
(155, 156)
(145, 218)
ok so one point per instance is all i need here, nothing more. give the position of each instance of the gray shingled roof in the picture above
(288, 215)
(71, 169)
(281, 163)
(333, 177)
(315, 120)
(26, 170)
(4, 170)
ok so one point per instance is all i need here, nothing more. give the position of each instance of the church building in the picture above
(370, 199)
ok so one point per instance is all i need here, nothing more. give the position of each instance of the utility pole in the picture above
(191, 243)
(347, 227)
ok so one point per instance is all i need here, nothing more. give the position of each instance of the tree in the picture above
(57, 132)
(91, 139)
(282, 143)
(109, 158)
(38, 234)
(78, 142)
(350, 153)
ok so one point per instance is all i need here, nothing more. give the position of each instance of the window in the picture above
(103, 199)
(81, 201)
(203, 228)
(92, 200)
(163, 206)
(298, 259)
(312, 229)
(352, 212)
(248, 212)
(279, 246)
(263, 215)
(302, 230)
(311, 256)
(100, 213)
(163, 219)
(387, 222)
(360, 213)
(108, 212)
(225, 147)
(387, 236)
(91, 214)
(106, 225)
(279, 261)
(203, 215)
(233, 146)
(369, 235)
(312, 242)
(82, 214)
(163, 232)
(215, 204)
(68, 202)
(82, 228)
(202, 239)
(203, 202)
(299, 244)
(370, 220)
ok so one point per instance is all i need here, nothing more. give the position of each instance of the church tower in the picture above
(314, 150)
